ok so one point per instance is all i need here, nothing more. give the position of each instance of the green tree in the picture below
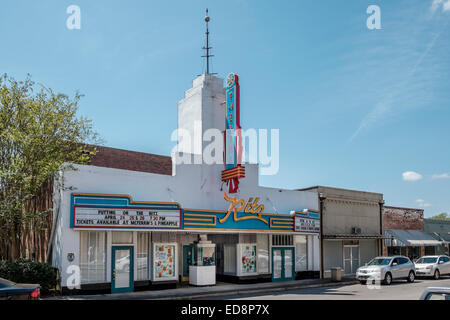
(441, 216)
(40, 134)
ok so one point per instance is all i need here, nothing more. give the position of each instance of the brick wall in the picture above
(132, 160)
(402, 218)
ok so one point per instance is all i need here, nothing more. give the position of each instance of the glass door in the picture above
(276, 265)
(283, 264)
(351, 259)
(122, 266)
(288, 265)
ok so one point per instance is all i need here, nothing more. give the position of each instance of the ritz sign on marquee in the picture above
(237, 205)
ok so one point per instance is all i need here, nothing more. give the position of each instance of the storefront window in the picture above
(164, 261)
(263, 253)
(229, 255)
(92, 257)
(142, 256)
(301, 253)
(122, 237)
(248, 257)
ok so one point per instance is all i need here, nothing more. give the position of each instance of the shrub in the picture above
(27, 271)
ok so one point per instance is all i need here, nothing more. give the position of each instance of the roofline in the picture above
(336, 188)
(126, 150)
(436, 220)
(392, 207)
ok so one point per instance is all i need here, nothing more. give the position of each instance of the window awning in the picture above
(412, 238)
(441, 237)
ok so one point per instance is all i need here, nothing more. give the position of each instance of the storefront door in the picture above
(122, 266)
(351, 259)
(283, 264)
(187, 261)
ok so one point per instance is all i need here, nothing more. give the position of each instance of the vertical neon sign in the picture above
(233, 139)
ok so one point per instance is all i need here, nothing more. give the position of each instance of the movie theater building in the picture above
(130, 221)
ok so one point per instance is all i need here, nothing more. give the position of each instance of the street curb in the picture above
(224, 293)
(252, 291)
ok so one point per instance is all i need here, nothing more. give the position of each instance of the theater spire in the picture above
(207, 48)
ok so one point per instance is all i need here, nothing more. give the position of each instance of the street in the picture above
(398, 290)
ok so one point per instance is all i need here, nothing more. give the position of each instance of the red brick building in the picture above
(404, 232)
(131, 160)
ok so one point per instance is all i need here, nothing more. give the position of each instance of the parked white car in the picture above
(433, 266)
(386, 269)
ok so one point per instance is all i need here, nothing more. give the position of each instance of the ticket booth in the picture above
(202, 272)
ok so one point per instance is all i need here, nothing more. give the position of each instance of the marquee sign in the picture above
(121, 212)
(94, 217)
(307, 221)
(233, 138)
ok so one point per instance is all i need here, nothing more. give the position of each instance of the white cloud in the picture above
(421, 203)
(436, 4)
(411, 176)
(441, 176)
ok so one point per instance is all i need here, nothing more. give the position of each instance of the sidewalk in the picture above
(213, 291)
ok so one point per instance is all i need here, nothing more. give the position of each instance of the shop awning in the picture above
(412, 238)
(445, 238)
(353, 236)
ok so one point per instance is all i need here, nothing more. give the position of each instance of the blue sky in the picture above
(356, 108)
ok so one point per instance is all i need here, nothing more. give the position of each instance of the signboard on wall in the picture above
(132, 218)
(248, 259)
(164, 261)
(303, 224)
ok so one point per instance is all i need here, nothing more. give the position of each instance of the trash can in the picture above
(336, 274)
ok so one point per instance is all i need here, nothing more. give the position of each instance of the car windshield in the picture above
(427, 260)
(380, 262)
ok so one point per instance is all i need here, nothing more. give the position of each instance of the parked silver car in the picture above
(386, 269)
(433, 266)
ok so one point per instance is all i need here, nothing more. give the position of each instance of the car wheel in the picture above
(411, 276)
(437, 275)
(363, 281)
(387, 279)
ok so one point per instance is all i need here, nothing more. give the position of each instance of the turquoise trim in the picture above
(130, 288)
(186, 250)
(210, 220)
